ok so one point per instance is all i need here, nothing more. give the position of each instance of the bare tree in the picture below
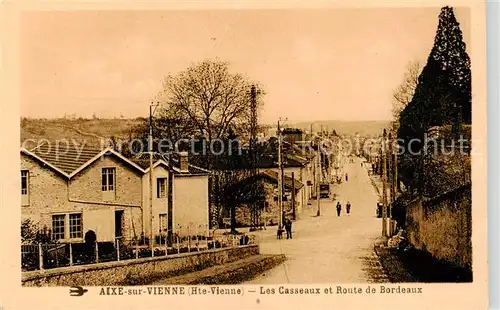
(208, 97)
(404, 93)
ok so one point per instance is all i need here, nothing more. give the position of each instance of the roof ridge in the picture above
(39, 145)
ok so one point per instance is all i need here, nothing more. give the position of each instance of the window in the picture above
(61, 221)
(161, 187)
(108, 179)
(75, 225)
(58, 226)
(24, 182)
(163, 223)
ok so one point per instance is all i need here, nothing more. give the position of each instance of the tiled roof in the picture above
(288, 180)
(72, 158)
(66, 158)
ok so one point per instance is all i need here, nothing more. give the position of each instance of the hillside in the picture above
(349, 128)
(91, 131)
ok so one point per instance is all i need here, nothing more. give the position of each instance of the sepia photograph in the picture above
(261, 149)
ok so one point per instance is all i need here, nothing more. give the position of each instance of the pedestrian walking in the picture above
(339, 208)
(348, 208)
(288, 228)
(346, 177)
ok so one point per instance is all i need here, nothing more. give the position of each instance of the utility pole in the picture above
(170, 201)
(253, 153)
(311, 143)
(280, 192)
(318, 196)
(320, 149)
(391, 182)
(394, 177)
(384, 187)
(293, 196)
(150, 144)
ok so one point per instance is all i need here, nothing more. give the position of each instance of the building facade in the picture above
(84, 190)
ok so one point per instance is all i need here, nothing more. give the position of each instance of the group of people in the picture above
(347, 208)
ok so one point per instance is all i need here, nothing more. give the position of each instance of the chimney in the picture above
(184, 162)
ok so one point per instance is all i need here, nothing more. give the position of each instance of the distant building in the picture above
(268, 205)
(292, 135)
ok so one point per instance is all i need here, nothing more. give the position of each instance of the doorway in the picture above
(118, 223)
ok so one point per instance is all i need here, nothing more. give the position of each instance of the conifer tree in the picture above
(442, 96)
(454, 64)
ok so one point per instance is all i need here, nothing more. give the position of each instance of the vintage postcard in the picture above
(248, 155)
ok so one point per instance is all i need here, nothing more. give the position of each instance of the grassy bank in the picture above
(419, 266)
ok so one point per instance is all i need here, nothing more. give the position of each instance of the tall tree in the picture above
(454, 62)
(446, 76)
(442, 97)
(209, 97)
(202, 102)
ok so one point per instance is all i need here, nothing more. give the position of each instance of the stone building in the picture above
(74, 189)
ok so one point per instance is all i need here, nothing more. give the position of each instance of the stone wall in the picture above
(443, 226)
(41, 200)
(86, 185)
(136, 271)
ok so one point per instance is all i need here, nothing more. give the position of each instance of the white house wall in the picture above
(160, 205)
(191, 204)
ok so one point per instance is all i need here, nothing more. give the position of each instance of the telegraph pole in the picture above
(391, 182)
(384, 187)
(394, 177)
(253, 152)
(170, 202)
(318, 213)
(320, 158)
(150, 144)
(280, 168)
(293, 196)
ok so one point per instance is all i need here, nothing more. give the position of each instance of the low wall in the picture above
(443, 226)
(136, 271)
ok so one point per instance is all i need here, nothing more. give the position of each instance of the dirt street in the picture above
(328, 248)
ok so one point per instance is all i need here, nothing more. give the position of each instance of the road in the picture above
(329, 248)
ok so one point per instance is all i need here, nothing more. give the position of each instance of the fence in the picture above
(53, 255)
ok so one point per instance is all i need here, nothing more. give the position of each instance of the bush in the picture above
(31, 233)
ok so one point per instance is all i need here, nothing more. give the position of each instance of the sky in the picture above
(314, 64)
